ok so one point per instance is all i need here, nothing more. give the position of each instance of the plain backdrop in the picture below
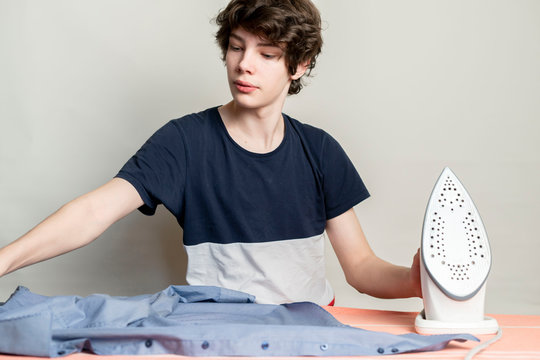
(406, 87)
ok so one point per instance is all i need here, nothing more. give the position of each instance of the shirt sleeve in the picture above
(158, 170)
(342, 185)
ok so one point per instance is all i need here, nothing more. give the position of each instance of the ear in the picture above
(300, 70)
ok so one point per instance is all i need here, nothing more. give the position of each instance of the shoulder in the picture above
(187, 127)
(176, 134)
(195, 121)
(318, 140)
(308, 132)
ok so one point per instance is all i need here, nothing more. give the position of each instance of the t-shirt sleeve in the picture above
(342, 185)
(158, 170)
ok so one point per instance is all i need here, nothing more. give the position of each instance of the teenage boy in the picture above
(253, 189)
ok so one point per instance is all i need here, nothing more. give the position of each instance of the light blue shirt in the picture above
(189, 320)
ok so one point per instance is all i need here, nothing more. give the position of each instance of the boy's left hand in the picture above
(415, 274)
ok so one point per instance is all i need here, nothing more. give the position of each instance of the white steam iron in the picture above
(455, 262)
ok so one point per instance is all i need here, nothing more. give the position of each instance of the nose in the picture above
(246, 63)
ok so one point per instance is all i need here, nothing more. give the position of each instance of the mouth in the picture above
(244, 86)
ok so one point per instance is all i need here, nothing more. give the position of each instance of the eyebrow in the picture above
(261, 44)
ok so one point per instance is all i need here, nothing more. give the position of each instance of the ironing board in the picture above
(520, 340)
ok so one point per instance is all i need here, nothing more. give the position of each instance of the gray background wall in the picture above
(407, 87)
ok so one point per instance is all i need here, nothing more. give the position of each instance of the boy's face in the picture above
(256, 70)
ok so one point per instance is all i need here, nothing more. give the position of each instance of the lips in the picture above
(244, 86)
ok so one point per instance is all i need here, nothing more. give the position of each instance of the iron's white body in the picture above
(455, 262)
(444, 315)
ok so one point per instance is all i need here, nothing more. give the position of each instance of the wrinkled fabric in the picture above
(189, 320)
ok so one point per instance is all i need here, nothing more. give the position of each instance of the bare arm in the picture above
(365, 271)
(74, 225)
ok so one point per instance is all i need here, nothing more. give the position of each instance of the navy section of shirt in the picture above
(222, 193)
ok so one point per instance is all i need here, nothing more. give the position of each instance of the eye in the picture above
(269, 56)
(234, 48)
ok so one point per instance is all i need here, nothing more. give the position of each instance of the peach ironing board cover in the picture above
(520, 339)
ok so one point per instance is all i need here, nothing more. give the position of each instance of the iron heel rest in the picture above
(455, 262)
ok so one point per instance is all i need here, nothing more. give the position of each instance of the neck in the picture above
(256, 130)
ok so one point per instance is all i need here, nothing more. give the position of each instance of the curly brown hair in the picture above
(293, 25)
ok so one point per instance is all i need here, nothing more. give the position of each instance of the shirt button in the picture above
(205, 345)
(380, 350)
(324, 347)
(148, 343)
(395, 350)
(265, 345)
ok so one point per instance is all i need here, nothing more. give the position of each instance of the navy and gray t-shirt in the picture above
(252, 222)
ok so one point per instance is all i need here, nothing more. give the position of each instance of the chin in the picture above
(242, 102)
